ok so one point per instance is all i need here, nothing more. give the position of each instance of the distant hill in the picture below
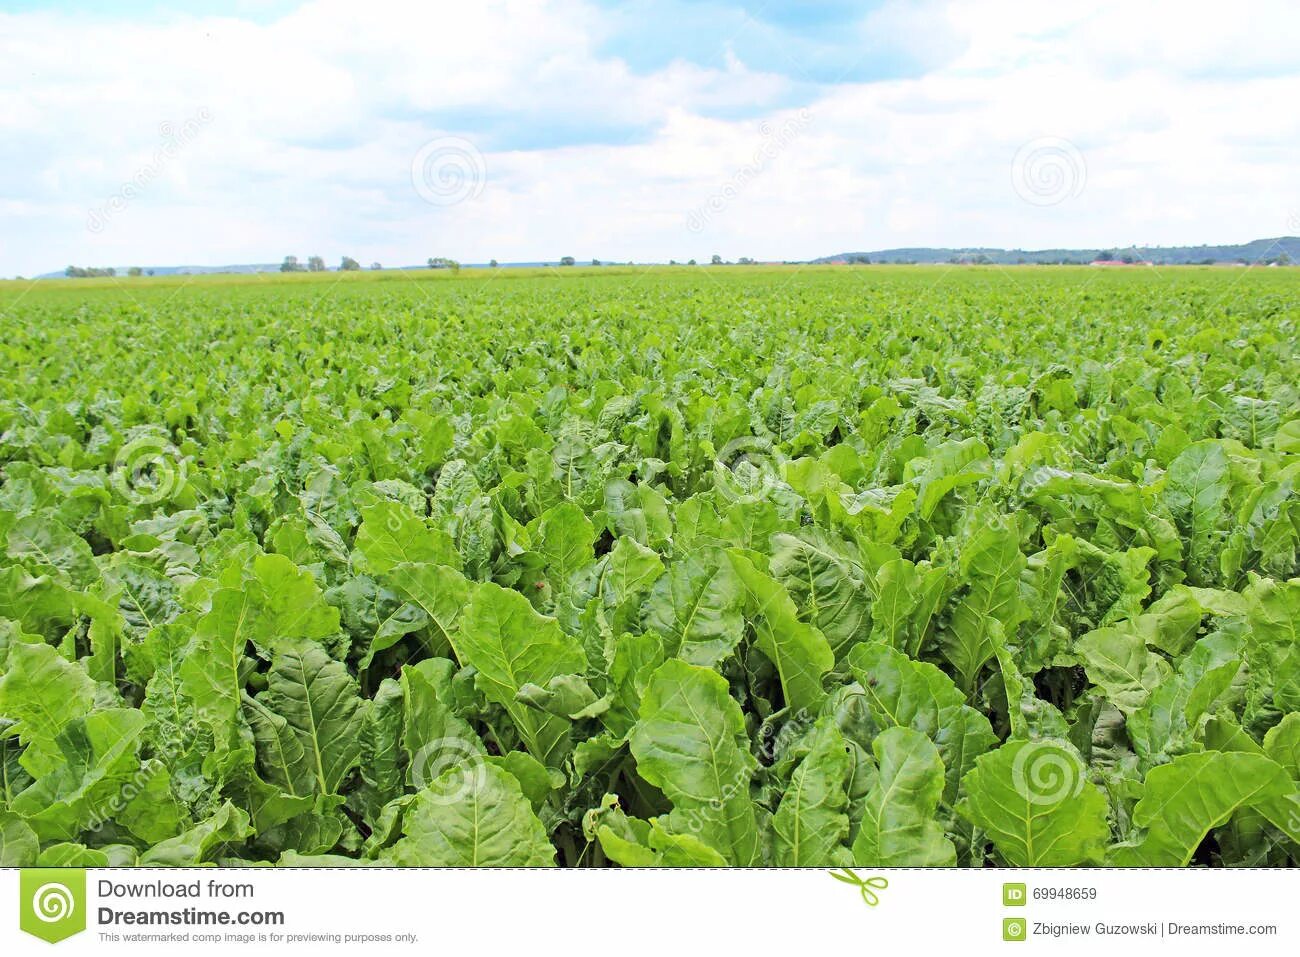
(248, 268)
(185, 270)
(1284, 249)
(1259, 251)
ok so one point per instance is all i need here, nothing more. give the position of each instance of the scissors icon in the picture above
(868, 886)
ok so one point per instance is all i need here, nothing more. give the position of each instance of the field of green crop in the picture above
(815, 567)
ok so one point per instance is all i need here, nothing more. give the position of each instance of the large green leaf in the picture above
(990, 567)
(225, 830)
(100, 763)
(690, 743)
(1196, 489)
(907, 597)
(1184, 800)
(511, 645)
(472, 816)
(566, 538)
(898, 827)
(43, 692)
(440, 591)
(901, 692)
(826, 585)
(1034, 801)
(697, 608)
(214, 672)
(391, 534)
(1118, 662)
(799, 651)
(317, 700)
(811, 824)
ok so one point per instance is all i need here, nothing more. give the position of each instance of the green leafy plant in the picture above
(765, 569)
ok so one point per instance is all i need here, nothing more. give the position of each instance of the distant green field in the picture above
(818, 566)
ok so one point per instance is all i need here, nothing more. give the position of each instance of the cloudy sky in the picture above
(207, 133)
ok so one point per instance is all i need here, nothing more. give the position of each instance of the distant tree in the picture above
(349, 264)
(110, 271)
(493, 263)
(566, 260)
(716, 260)
(290, 264)
(315, 264)
(672, 262)
(442, 262)
(1126, 259)
(595, 262)
(74, 272)
(134, 271)
(691, 262)
(376, 267)
(148, 272)
(745, 261)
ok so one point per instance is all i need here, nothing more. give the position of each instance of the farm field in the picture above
(804, 567)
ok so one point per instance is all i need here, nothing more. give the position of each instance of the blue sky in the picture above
(142, 132)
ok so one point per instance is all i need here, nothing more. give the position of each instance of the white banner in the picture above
(629, 912)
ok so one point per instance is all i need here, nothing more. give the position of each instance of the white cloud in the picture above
(1177, 109)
